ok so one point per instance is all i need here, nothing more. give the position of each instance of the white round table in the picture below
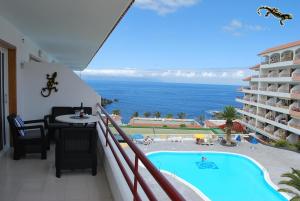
(73, 119)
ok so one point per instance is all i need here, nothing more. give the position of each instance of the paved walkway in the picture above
(276, 161)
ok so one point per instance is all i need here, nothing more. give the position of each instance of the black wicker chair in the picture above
(76, 149)
(34, 141)
(52, 125)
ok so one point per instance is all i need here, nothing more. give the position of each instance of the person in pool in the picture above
(203, 158)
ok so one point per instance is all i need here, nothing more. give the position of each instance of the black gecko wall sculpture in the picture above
(276, 13)
(51, 85)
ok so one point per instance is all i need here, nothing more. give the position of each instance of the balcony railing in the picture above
(272, 89)
(295, 123)
(295, 110)
(273, 74)
(111, 142)
(296, 75)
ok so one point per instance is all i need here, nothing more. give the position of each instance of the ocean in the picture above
(166, 98)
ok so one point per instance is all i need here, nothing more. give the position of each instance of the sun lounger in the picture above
(175, 139)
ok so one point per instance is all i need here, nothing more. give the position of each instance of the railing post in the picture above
(136, 166)
(106, 131)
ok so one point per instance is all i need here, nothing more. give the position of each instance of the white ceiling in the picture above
(71, 31)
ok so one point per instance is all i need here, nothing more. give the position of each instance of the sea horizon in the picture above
(194, 99)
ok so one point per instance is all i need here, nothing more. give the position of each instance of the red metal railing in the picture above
(171, 192)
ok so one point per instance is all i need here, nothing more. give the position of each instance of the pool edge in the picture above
(199, 192)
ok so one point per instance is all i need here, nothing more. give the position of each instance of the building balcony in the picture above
(282, 118)
(262, 101)
(285, 73)
(282, 104)
(254, 88)
(296, 74)
(295, 123)
(262, 114)
(295, 110)
(270, 116)
(269, 129)
(280, 133)
(284, 89)
(271, 102)
(273, 74)
(263, 88)
(295, 92)
(272, 88)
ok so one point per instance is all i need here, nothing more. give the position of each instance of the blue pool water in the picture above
(222, 177)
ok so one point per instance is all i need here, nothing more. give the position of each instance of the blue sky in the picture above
(199, 41)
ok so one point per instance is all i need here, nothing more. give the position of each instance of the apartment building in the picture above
(271, 102)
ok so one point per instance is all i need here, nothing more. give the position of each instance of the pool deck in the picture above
(275, 161)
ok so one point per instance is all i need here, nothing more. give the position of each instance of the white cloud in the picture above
(164, 6)
(126, 72)
(231, 76)
(238, 28)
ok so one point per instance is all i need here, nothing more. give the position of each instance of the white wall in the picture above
(9, 34)
(25, 47)
(71, 90)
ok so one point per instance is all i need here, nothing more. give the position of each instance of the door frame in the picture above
(12, 84)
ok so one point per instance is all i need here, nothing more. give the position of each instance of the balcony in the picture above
(295, 123)
(262, 114)
(287, 55)
(295, 110)
(285, 73)
(295, 92)
(296, 75)
(282, 119)
(282, 104)
(251, 122)
(246, 98)
(269, 129)
(262, 101)
(280, 133)
(284, 89)
(33, 179)
(254, 87)
(273, 74)
(270, 116)
(272, 88)
(271, 102)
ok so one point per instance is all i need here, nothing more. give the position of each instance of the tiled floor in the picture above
(32, 179)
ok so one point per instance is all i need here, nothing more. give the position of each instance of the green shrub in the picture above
(297, 145)
(281, 143)
(182, 125)
(165, 126)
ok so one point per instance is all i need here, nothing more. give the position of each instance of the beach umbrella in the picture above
(238, 138)
(199, 136)
(137, 136)
(253, 141)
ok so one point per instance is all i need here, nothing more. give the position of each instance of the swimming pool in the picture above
(221, 177)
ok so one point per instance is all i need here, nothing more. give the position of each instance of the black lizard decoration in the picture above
(276, 13)
(51, 85)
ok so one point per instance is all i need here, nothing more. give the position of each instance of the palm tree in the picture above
(181, 115)
(157, 114)
(201, 118)
(169, 116)
(135, 114)
(229, 114)
(294, 182)
(147, 114)
(116, 112)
